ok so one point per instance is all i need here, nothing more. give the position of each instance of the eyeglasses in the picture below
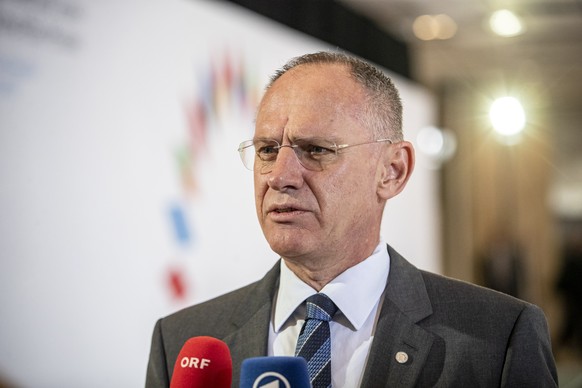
(313, 154)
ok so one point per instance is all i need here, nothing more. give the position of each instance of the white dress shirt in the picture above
(357, 292)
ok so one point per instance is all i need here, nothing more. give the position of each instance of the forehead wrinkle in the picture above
(311, 112)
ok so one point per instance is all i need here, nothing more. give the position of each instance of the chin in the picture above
(289, 246)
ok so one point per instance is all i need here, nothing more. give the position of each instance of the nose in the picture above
(287, 172)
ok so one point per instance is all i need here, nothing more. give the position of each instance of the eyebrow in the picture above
(314, 139)
(302, 139)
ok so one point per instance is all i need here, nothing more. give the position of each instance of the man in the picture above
(327, 154)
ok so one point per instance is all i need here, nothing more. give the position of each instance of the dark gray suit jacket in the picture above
(455, 334)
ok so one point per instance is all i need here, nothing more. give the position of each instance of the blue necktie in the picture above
(314, 343)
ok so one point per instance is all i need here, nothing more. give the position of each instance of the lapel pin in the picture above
(401, 357)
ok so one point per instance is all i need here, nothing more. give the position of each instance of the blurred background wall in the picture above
(122, 198)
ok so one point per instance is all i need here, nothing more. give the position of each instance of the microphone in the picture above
(274, 372)
(203, 362)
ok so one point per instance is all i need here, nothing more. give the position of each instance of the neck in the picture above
(318, 272)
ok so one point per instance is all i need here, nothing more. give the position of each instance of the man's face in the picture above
(330, 213)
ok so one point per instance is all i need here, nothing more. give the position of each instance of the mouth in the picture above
(281, 212)
(285, 210)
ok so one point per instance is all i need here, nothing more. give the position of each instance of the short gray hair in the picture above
(383, 112)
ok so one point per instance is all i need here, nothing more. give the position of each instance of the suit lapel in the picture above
(400, 347)
(252, 319)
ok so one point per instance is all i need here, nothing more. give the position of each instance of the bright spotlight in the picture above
(507, 116)
(505, 23)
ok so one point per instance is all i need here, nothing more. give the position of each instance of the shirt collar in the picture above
(355, 291)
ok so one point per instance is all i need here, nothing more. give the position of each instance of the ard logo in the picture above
(271, 380)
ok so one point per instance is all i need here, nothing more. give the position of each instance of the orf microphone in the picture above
(203, 362)
(274, 372)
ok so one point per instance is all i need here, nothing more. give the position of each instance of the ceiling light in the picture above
(507, 116)
(425, 27)
(447, 28)
(505, 23)
(431, 27)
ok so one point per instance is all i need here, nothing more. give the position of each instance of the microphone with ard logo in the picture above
(274, 372)
(203, 362)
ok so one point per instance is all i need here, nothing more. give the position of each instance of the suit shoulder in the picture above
(453, 294)
(220, 316)
(215, 308)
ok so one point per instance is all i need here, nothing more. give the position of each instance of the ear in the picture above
(395, 169)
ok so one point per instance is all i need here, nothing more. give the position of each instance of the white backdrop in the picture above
(122, 197)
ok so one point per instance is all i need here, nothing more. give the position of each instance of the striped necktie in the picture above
(314, 343)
